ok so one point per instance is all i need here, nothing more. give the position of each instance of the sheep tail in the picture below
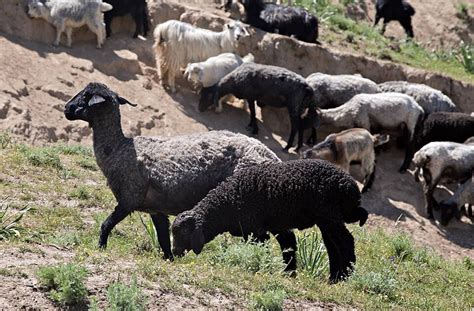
(249, 58)
(104, 7)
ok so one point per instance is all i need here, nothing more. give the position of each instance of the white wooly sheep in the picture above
(442, 162)
(430, 99)
(179, 43)
(68, 14)
(335, 90)
(212, 70)
(464, 194)
(353, 145)
(387, 111)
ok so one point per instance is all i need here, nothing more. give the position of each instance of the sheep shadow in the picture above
(234, 117)
(120, 56)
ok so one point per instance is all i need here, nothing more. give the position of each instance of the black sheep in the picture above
(272, 86)
(395, 10)
(137, 8)
(439, 126)
(276, 198)
(284, 20)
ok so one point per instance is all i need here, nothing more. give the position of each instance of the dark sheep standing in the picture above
(136, 8)
(272, 86)
(395, 10)
(158, 175)
(276, 198)
(439, 126)
(285, 20)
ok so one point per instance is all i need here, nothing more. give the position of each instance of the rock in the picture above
(58, 91)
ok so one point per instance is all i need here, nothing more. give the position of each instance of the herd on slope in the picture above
(292, 194)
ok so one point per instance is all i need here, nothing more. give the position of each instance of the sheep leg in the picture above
(408, 157)
(117, 216)
(368, 180)
(340, 246)
(406, 24)
(294, 129)
(377, 19)
(428, 189)
(171, 80)
(384, 26)
(138, 24)
(69, 35)
(108, 22)
(162, 225)
(253, 119)
(312, 139)
(59, 30)
(287, 241)
(95, 27)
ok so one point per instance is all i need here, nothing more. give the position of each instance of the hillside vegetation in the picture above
(67, 200)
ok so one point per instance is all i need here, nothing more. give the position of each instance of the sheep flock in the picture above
(229, 182)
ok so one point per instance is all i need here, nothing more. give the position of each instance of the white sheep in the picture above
(442, 162)
(178, 43)
(68, 14)
(430, 99)
(387, 111)
(452, 206)
(335, 90)
(353, 145)
(212, 70)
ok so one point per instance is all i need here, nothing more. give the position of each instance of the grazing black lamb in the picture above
(158, 175)
(285, 20)
(276, 198)
(272, 86)
(137, 8)
(395, 10)
(439, 126)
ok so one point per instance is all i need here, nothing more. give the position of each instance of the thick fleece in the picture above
(439, 126)
(158, 175)
(277, 197)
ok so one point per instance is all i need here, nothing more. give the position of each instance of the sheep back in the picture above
(334, 90)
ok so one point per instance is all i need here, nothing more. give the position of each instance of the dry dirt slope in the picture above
(36, 79)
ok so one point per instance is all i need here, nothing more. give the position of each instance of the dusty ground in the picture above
(36, 79)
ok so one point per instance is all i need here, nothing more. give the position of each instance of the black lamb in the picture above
(285, 20)
(276, 198)
(439, 126)
(272, 86)
(137, 8)
(395, 10)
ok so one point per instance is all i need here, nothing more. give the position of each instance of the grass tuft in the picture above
(9, 220)
(271, 300)
(311, 254)
(126, 297)
(65, 283)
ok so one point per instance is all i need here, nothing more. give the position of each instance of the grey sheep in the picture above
(277, 197)
(272, 86)
(335, 90)
(158, 175)
(68, 14)
(430, 99)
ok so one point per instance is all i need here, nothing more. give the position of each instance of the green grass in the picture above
(391, 271)
(65, 283)
(126, 297)
(363, 37)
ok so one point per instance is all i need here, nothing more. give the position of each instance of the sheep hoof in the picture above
(402, 170)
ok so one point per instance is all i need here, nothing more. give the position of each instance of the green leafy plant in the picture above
(9, 220)
(126, 297)
(402, 247)
(466, 56)
(151, 232)
(375, 282)
(5, 140)
(311, 254)
(44, 157)
(271, 300)
(65, 283)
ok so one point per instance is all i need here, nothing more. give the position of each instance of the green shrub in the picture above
(125, 297)
(271, 300)
(44, 157)
(466, 56)
(65, 283)
(5, 140)
(9, 220)
(402, 247)
(81, 193)
(250, 256)
(74, 150)
(375, 283)
(311, 254)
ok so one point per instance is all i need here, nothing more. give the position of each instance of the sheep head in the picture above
(193, 73)
(93, 98)
(325, 150)
(36, 9)
(209, 97)
(237, 30)
(187, 234)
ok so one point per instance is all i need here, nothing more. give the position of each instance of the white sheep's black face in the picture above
(238, 30)
(34, 9)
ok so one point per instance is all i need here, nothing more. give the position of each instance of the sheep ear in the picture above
(123, 101)
(96, 99)
(197, 241)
